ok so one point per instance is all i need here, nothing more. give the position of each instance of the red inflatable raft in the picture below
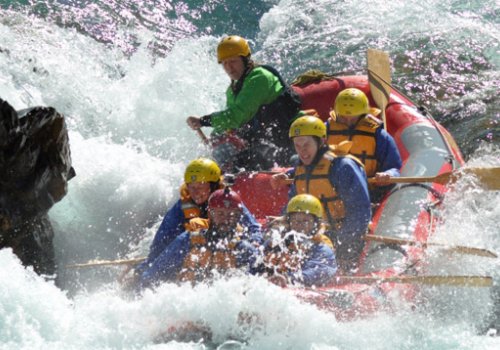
(407, 212)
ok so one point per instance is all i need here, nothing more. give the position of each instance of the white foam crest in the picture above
(121, 113)
(250, 310)
(121, 189)
(103, 92)
(58, 66)
(470, 212)
(278, 319)
(470, 218)
(156, 99)
(118, 192)
(33, 312)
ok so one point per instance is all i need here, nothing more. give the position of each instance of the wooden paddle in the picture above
(452, 248)
(203, 137)
(489, 178)
(93, 263)
(379, 77)
(459, 281)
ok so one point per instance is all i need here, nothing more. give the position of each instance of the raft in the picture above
(408, 211)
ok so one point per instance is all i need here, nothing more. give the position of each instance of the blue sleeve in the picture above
(349, 179)
(254, 228)
(248, 255)
(387, 153)
(166, 266)
(320, 267)
(171, 227)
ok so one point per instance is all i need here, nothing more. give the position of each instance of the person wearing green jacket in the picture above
(251, 132)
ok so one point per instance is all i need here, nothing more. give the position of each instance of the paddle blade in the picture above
(471, 251)
(489, 178)
(379, 77)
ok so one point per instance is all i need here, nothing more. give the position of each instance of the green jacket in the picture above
(260, 87)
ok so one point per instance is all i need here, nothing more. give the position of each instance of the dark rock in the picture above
(35, 166)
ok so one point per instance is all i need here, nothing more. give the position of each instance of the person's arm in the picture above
(254, 228)
(260, 87)
(292, 192)
(320, 267)
(349, 179)
(166, 266)
(171, 227)
(387, 153)
(248, 255)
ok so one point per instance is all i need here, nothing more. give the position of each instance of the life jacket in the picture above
(363, 138)
(316, 181)
(272, 121)
(208, 254)
(189, 208)
(293, 256)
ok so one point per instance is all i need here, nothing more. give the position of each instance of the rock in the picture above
(35, 167)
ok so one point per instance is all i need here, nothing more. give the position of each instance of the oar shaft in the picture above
(409, 179)
(459, 281)
(94, 263)
(456, 249)
(203, 137)
(489, 178)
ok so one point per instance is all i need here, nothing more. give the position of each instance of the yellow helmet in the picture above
(307, 126)
(231, 46)
(202, 170)
(351, 103)
(305, 203)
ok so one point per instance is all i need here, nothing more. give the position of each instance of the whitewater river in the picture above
(126, 74)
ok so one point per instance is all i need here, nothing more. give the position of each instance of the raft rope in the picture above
(429, 188)
(429, 206)
(316, 76)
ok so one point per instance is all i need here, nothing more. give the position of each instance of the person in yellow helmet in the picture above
(302, 253)
(338, 180)
(352, 119)
(202, 177)
(251, 131)
(199, 255)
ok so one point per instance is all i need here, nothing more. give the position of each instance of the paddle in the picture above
(93, 263)
(379, 77)
(460, 281)
(457, 249)
(203, 137)
(489, 178)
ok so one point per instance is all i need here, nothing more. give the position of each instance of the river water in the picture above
(126, 74)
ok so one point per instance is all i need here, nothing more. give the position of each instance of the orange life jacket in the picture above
(363, 138)
(317, 183)
(203, 258)
(189, 207)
